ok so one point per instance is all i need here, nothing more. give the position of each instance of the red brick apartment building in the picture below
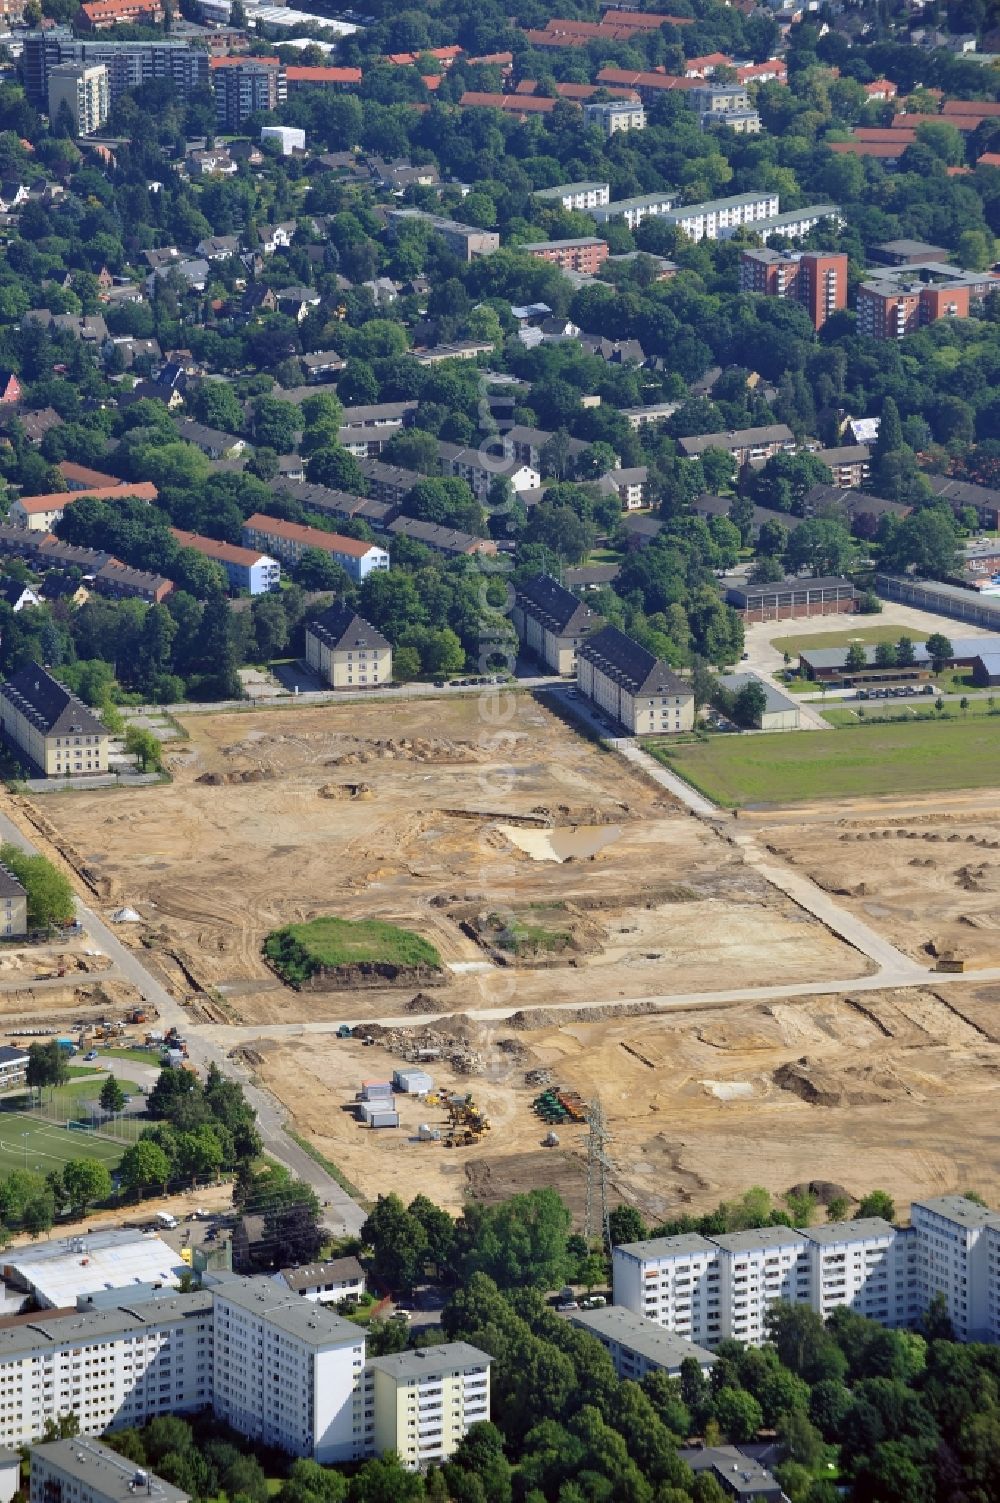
(586, 255)
(892, 307)
(813, 278)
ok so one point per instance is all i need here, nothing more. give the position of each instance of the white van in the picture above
(164, 1219)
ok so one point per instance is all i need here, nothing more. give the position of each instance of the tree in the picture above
(878, 1203)
(626, 1225)
(748, 705)
(518, 1243)
(738, 1413)
(890, 431)
(857, 659)
(939, 650)
(85, 1181)
(47, 1066)
(885, 655)
(112, 1097)
(50, 897)
(335, 467)
(145, 747)
(398, 1241)
(142, 1166)
(821, 544)
(905, 655)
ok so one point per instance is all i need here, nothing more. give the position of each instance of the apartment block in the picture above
(634, 210)
(708, 1289)
(957, 1255)
(795, 223)
(279, 1368)
(638, 1346)
(757, 1268)
(551, 622)
(13, 924)
(746, 445)
(463, 240)
(637, 689)
(82, 89)
(901, 300)
(288, 1373)
(816, 280)
(49, 728)
(425, 1401)
(86, 1471)
(720, 218)
(245, 568)
(480, 469)
(244, 87)
(129, 64)
(575, 195)
(111, 1367)
(346, 651)
(586, 255)
(289, 540)
(613, 115)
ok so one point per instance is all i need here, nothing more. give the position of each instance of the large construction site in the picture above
(563, 886)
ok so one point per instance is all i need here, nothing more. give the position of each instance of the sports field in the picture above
(920, 757)
(29, 1141)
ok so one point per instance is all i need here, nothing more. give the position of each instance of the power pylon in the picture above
(598, 1167)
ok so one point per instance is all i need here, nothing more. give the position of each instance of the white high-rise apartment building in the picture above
(110, 1367)
(289, 1373)
(280, 1369)
(711, 1288)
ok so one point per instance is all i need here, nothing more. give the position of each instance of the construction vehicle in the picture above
(466, 1123)
(137, 1015)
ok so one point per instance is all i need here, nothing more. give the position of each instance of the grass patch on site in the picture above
(331, 1168)
(884, 633)
(300, 950)
(150, 1057)
(841, 715)
(922, 756)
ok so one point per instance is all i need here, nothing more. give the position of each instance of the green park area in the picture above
(300, 950)
(922, 756)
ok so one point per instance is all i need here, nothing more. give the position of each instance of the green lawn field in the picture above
(798, 643)
(918, 757)
(30, 1140)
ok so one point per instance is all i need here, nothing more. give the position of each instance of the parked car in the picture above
(90, 1056)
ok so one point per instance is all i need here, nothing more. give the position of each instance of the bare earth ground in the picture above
(339, 822)
(417, 817)
(924, 872)
(892, 1090)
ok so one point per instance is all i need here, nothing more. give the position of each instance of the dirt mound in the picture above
(405, 749)
(239, 775)
(822, 1190)
(824, 1085)
(347, 790)
(424, 1002)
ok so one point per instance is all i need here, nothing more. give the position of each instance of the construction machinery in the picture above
(556, 1106)
(466, 1122)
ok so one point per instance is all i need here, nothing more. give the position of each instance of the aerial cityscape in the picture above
(499, 751)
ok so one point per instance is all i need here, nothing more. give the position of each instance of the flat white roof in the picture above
(60, 1272)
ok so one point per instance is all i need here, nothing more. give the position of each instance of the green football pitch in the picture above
(29, 1141)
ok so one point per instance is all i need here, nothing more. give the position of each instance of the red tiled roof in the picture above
(312, 537)
(230, 61)
(301, 73)
(142, 490)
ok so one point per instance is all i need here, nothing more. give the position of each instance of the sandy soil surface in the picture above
(890, 1090)
(924, 872)
(279, 816)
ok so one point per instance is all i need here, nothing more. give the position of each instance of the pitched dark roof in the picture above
(555, 607)
(49, 705)
(638, 670)
(340, 627)
(310, 1275)
(854, 502)
(10, 887)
